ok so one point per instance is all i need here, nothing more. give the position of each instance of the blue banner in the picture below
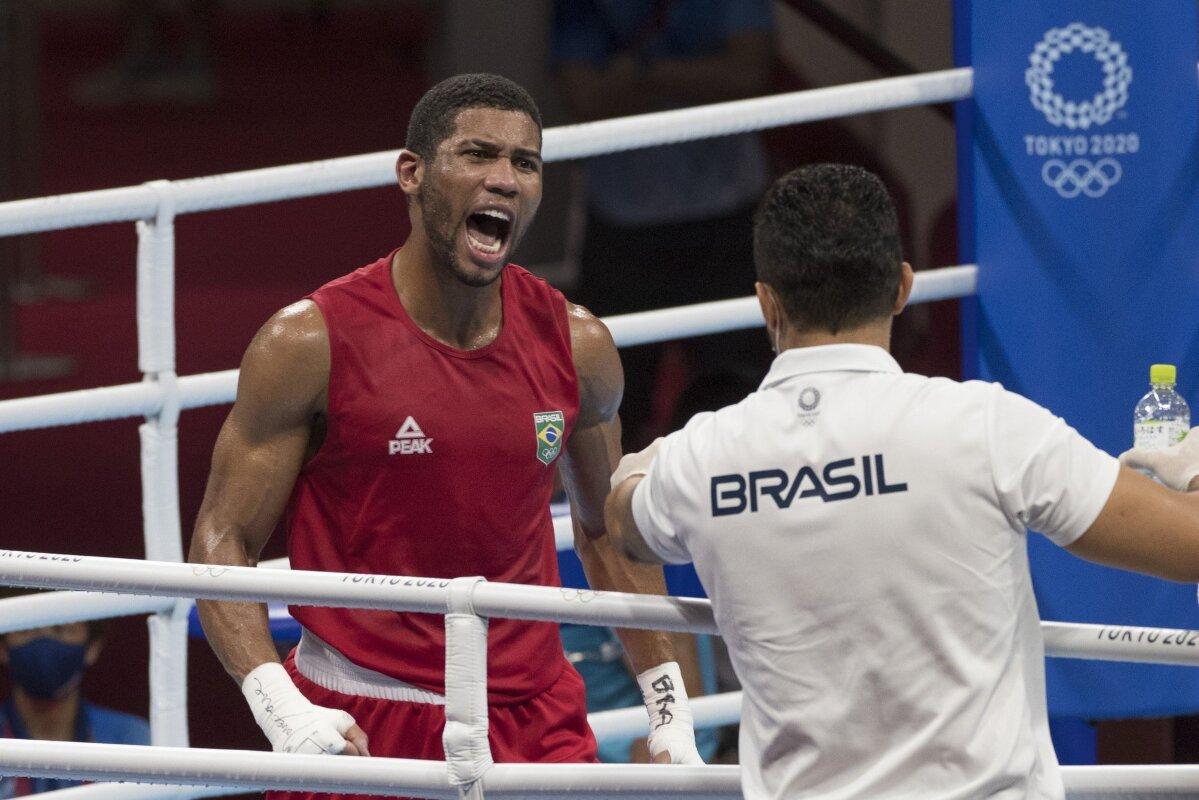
(1078, 163)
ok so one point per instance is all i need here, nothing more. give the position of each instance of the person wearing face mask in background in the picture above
(45, 669)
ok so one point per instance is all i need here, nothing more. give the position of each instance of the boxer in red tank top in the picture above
(409, 418)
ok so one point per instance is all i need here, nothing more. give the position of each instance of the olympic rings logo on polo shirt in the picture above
(1081, 176)
(1117, 76)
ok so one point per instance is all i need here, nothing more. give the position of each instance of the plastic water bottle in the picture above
(1162, 417)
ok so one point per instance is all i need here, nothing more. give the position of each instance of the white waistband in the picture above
(326, 667)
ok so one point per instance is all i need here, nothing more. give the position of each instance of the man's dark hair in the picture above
(826, 238)
(434, 116)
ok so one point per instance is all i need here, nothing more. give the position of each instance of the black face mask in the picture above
(44, 667)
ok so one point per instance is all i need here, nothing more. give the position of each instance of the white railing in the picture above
(253, 770)
(231, 771)
(214, 388)
(158, 583)
(131, 203)
(347, 590)
(222, 772)
(465, 601)
(162, 395)
(108, 583)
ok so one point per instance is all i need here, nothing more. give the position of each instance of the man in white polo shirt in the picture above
(861, 531)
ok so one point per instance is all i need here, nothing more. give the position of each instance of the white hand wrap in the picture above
(1175, 466)
(289, 720)
(635, 463)
(671, 726)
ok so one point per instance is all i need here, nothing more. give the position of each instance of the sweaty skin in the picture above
(452, 291)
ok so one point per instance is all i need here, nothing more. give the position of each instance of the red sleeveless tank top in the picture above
(437, 462)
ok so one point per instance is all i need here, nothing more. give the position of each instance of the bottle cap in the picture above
(1163, 373)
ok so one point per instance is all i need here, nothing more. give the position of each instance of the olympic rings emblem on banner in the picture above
(1117, 76)
(1081, 176)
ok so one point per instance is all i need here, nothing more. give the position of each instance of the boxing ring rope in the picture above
(348, 590)
(158, 584)
(132, 203)
(162, 395)
(214, 388)
(242, 770)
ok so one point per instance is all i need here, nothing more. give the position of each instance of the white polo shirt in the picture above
(861, 534)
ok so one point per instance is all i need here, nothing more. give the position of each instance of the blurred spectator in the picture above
(667, 225)
(45, 668)
(152, 67)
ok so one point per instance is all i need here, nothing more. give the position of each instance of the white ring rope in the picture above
(164, 579)
(1172, 780)
(214, 388)
(560, 144)
(718, 316)
(347, 590)
(136, 791)
(1121, 643)
(250, 770)
(59, 608)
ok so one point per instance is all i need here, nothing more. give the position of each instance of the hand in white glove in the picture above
(1175, 466)
(635, 463)
(292, 723)
(671, 726)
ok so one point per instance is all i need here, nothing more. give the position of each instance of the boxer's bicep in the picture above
(260, 449)
(593, 449)
(261, 446)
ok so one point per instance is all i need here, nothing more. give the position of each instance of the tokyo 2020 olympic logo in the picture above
(1081, 176)
(1080, 164)
(1076, 114)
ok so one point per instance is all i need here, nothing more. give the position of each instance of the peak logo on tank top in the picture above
(549, 426)
(409, 440)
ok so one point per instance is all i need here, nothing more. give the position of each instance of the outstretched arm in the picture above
(591, 455)
(1146, 527)
(261, 447)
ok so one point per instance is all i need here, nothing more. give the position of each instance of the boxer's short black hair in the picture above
(826, 238)
(435, 114)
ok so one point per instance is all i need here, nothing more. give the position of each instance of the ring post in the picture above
(160, 463)
(467, 750)
(1079, 162)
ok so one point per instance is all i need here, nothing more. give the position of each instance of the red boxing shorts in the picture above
(551, 727)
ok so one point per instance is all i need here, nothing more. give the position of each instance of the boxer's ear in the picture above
(410, 171)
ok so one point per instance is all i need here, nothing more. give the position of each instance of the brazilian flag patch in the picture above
(550, 426)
